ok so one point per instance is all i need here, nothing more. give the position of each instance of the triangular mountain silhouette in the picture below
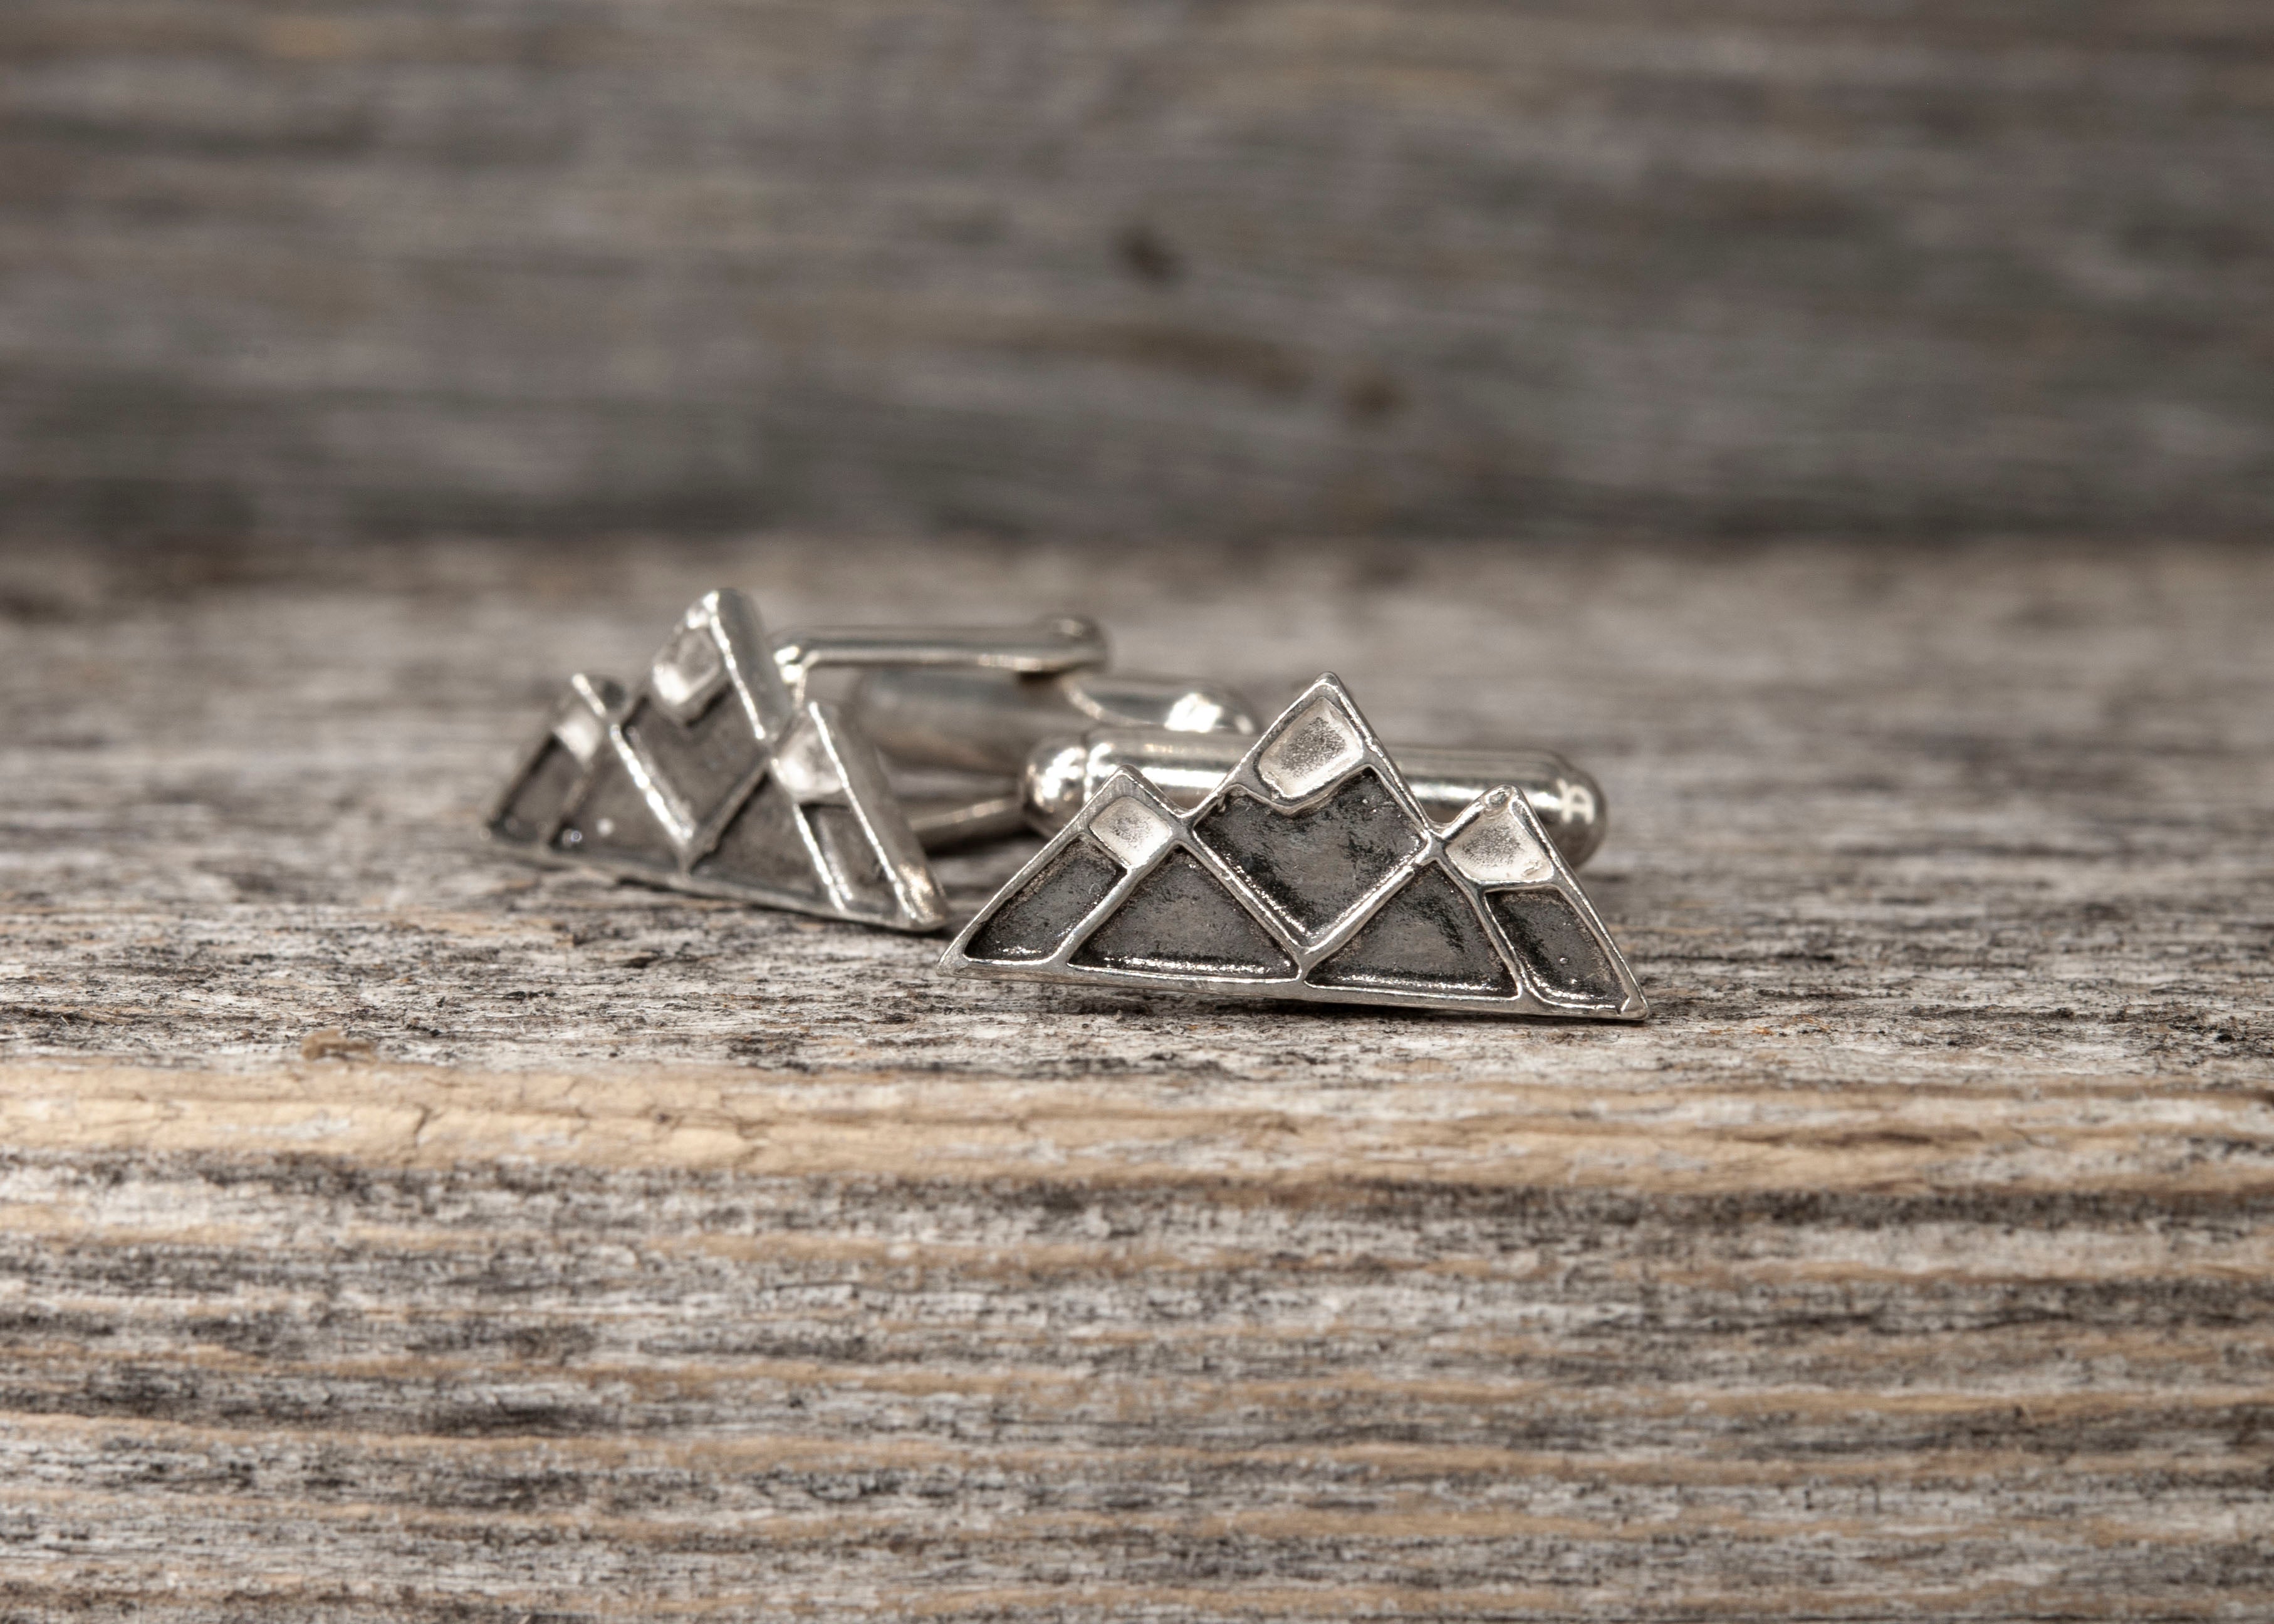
(1311, 872)
(709, 777)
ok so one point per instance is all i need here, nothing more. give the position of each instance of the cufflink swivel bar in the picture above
(1186, 768)
(980, 721)
(1063, 644)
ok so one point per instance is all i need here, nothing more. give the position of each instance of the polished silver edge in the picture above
(882, 819)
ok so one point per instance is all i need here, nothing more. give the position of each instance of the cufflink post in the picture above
(1061, 774)
(990, 720)
(1058, 644)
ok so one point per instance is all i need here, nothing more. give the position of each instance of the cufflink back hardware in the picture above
(1063, 736)
(1309, 871)
(987, 723)
(1063, 774)
(717, 775)
(974, 721)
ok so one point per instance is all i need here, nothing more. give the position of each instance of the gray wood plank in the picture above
(642, 1256)
(585, 266)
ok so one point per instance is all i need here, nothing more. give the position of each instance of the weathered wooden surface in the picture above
(667, 1259)
(1427, 266)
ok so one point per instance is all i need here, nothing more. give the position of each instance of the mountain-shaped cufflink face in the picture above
(708, 776)
(1311, 873)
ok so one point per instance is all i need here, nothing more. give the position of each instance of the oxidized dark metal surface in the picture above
(1554, 944)
(1425, 938)
(764, 845)
(1048, 908)
(1179, 920)
(1313, 865)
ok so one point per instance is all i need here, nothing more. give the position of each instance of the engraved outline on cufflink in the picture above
(1311, 873)
(716, 777)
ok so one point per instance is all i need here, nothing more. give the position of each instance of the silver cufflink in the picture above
(1310, 870)
(1186, 850)
(715, 774)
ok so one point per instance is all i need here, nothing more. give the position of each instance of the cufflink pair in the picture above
(1188, 849)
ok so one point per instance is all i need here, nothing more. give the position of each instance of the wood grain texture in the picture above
(1206, 269)
(667, 1259)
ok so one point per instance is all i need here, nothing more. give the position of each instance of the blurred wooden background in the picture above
(1226, 268)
